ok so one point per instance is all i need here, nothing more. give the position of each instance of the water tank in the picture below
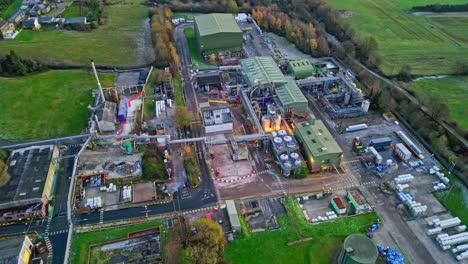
(266, 123)
(365, 106)
(358, 249)
(282, 133)
(294, 155)
(278, 140)
(284, 157)
(287, 138)
(291, 145)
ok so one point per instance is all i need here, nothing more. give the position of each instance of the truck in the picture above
(380, 143)
(402, 152)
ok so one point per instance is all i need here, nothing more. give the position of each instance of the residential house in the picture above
(17, 17)
(6, 28)
(31, 23)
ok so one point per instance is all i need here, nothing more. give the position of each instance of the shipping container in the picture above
(380, 143)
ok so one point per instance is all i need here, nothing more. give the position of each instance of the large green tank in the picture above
(358, 249)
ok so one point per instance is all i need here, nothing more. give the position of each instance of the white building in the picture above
(216, 118)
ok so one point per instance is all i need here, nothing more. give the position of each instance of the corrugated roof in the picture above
(317, 138)
(216, 23)
(289, 93)
(263, 70)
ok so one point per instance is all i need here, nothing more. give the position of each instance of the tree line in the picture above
(441, 8)
(163, 39)
(13, 65)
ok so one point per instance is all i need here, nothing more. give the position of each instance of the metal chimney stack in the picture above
(97, 80)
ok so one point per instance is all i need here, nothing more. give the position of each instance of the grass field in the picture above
(178, 93)
(119, 42)
(82, 241)
(455, 200)
(451, 90)
(194, 55)
(263, 247)
(74, 11)
(46, 105)
(404, 38)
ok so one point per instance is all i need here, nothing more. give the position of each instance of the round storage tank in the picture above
(282, 133)
(358, 249)
(287, 138)
(278, 140)
(294, 155)
(274, 134)
(284, 157)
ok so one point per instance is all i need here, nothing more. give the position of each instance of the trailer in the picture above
(380, 143)
(356, 127)
(377, 157)
(402, 152)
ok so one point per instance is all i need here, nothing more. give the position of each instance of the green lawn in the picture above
(194, 55)
(46, 105)
(82, 241)
(119, 42)
(455, 200)
(404, 38)
(74, 10)
(11, 9)
(263, 247)
(452, 90)
(178, 93)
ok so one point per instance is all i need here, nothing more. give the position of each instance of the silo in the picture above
(266, 123)
(358, 249)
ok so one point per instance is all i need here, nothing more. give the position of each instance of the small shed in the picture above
(233, 216)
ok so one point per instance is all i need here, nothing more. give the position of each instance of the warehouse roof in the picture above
(27, 174)
(317, 138)
(301, 65)
(216, 23)
(289, 93)
(363, 249)
(263, 70)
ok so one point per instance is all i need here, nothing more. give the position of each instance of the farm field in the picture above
(46, 105)
(452, 90)
(404, 38)
(263, 247)
(124, 40)
(456, 27)
(82, 241)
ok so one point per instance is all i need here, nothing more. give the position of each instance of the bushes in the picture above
(153, 164)
(192, 167)
(13, 65)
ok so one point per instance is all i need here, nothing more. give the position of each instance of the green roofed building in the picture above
(218, 33)
(261, 70)
(301, 69)
(291, 97)
(319, 146)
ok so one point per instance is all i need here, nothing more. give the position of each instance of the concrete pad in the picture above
(143, 192)
(222, 162)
